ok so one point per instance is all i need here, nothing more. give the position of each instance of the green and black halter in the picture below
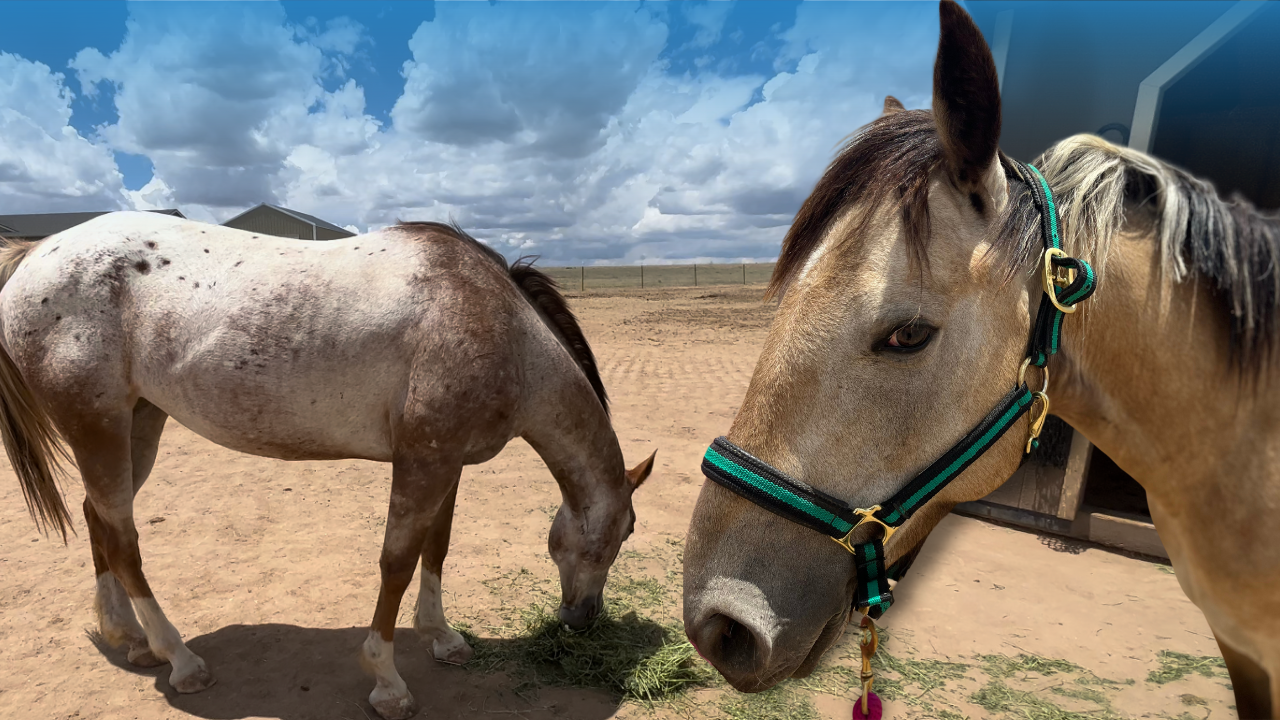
(1066, 281)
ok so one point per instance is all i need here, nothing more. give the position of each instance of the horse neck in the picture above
(570, 430)
(1145, 374)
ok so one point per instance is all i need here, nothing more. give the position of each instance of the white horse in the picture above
(415, 345)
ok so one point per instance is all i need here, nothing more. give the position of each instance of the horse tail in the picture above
(30, 438)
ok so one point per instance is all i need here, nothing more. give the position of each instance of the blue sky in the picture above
(579, 131)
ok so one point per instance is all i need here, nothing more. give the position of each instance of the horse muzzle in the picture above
(581, 614)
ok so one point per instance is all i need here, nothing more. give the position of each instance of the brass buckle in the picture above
(868, 515)
(1060, 277)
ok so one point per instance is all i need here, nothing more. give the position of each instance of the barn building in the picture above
(1196, 84)
(39, 226)
(274, 220)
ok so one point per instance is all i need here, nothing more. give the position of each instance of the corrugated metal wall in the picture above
(326, 234)
(270, 222)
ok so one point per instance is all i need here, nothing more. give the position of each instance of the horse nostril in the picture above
(728, 644)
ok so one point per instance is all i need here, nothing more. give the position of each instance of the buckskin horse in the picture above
(414, 345)
(897, 375)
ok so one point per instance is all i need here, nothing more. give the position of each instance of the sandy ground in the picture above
(270, 570)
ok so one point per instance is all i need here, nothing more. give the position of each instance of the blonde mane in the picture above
(1101, 189)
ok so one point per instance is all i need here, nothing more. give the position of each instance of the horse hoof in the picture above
(194, 682)
(140, 655)
(394, 708)
(452, 649)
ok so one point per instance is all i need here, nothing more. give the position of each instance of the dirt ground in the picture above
(270, 570)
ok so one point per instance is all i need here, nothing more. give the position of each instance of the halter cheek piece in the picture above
(1066, 281)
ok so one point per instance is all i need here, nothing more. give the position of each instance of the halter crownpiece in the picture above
(1066, 281)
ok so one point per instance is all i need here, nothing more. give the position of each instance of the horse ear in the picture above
(636, 475)
(892, 105)
(966, 104)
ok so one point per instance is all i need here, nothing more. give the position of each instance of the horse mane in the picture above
(1099, 188)
(892, 157)
(1103, 188)
(542, 292)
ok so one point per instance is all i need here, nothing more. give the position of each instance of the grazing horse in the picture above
(414, 345)
(908, 286)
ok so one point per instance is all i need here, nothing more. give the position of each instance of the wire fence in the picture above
(607, 277)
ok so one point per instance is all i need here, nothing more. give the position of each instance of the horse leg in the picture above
(418, 487)
(1253, 689)
(116, 620)
(104, 452)
(447, 644)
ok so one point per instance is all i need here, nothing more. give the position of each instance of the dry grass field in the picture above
(270, 570)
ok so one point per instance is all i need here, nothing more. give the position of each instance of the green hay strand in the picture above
(1176, 665)
(632, 657)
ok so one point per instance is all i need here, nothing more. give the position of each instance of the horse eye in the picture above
(910, 338)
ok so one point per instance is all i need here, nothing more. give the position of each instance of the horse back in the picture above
(277, 347)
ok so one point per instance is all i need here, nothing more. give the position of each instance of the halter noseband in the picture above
(1066, 281)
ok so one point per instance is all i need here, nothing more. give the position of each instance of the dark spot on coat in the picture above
(44, 301)
(142, 266)
(196, 284)
(357, 247)
(114, 276)
(76, 337)
(253, 352)
(976, 201)
(57, 318)
(182, 277)
(238, 263)
(206, 249)
(164, 261)
(151, 245)
(54, 250)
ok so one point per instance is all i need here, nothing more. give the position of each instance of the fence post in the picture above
(641, 276)
(695, 274)
(744, 273)
(582, 277)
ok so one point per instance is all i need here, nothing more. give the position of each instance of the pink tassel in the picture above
(874, 709)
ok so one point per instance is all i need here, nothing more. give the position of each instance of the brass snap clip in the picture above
(1041, 397)
(868, 706)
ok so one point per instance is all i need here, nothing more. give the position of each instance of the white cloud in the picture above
(540, 81)
(684, 166)
(562, 134)
(218, 98)
(709, 17)
(45, 164)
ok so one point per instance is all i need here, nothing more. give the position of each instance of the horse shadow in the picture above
(296, 673)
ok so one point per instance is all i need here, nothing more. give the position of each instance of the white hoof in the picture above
(392, 706)
(193, 679)
(451, 648)
(140, 654)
